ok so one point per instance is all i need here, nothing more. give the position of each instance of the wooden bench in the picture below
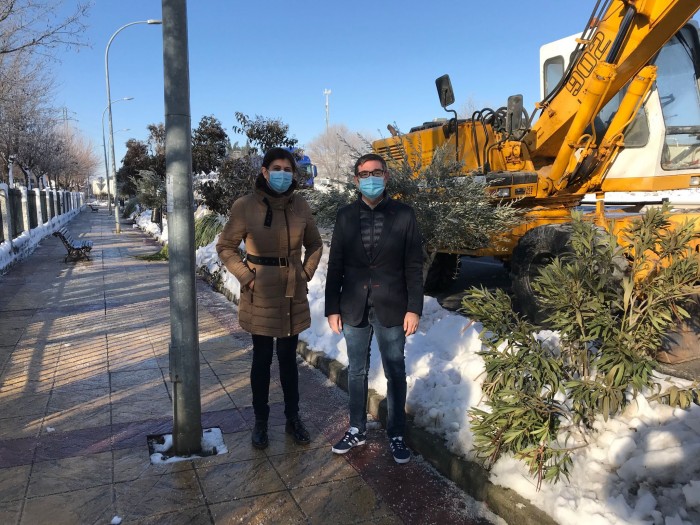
(94, 207)
(76, 249)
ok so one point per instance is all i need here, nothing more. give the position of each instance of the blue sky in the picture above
(275, 58)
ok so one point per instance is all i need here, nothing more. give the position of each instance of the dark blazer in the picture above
(396, 270)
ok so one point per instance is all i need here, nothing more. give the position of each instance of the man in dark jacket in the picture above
(374, 286)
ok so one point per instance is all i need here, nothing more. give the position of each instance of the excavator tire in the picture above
(442, 273)
(536, 249)
(539, 246)
(683, 343)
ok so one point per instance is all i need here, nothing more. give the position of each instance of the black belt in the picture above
(267, 261)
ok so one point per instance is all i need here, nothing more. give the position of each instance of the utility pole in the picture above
(327, 92)
(184, 336)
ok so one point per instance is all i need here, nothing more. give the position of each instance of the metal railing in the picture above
(23, 210)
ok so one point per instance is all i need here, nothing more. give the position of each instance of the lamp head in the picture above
(154, 22)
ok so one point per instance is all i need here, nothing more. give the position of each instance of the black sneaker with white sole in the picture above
(349, 440)
(398, 450)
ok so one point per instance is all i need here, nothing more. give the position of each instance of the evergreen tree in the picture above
(210, 144)
(236, 176)
(264, 133)
(611, 308)
(237, 173)
(135, 160)
(453, 211)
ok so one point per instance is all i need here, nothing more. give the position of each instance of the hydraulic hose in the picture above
(621, 34)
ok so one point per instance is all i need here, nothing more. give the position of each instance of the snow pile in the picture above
(143, 221)
(24, 244)
(641, 467)
(212, 444)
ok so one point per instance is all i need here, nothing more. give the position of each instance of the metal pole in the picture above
(104, 149)
(118, 228)
(184, 345)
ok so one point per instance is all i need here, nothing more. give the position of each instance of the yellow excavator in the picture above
(620, 113)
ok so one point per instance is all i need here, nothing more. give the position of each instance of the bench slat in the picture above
(76, 250)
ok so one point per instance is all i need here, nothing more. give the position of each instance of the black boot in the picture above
(298, 431)
(260, 434)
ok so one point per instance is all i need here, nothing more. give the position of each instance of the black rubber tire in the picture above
(442, 272)
(683, 342)
(535, 250)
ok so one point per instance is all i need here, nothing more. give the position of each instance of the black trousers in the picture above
(260, 374)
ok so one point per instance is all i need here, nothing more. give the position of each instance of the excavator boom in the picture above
(627, 35)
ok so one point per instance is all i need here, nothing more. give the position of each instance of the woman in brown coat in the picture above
(274, 222)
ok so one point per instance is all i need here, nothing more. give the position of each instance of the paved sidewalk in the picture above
(84, 380)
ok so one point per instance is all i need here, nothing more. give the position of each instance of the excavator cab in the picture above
(662, 143)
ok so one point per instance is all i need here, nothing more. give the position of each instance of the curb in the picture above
(468, 475)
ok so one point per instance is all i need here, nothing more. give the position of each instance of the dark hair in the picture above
(367, 157)
(279, 154)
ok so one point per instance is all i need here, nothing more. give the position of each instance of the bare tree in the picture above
(30, 130)
(40, 152)
(61, 154)
(76, 161)
(334, 152)
(25, 92)
(469, 107)
(39, 25)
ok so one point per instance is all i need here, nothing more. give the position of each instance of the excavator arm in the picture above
(547, 167)
(559, 158)
(622, 38)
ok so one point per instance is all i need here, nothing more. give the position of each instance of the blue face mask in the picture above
(372, 187)
(280, 181)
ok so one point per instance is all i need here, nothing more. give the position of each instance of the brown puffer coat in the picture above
(272, 226)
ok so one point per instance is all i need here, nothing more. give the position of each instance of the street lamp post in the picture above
(104, 149)
(326, 92)
(109, 111)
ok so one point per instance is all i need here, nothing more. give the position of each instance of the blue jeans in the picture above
(391, 343)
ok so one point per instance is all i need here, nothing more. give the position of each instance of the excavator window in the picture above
(553, 72)
(678, 69)
(677, 85)
(636, 135)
